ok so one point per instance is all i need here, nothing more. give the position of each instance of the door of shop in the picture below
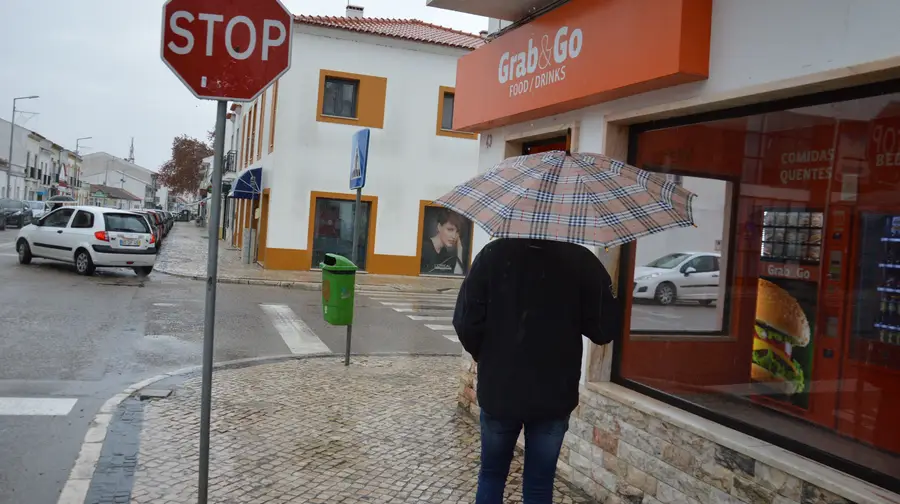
(263, 227)
(333, 230)
(545, 145)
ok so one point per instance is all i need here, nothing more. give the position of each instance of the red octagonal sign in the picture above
(227, 49)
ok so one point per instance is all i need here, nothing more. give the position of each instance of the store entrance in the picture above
(545, 145)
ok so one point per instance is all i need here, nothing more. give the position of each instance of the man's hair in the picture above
(445, 216)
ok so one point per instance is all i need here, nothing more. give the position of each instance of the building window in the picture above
(341, 96)
(447, 115)
(351, 99)
(272, 118)
(446, 104)
(780, 312)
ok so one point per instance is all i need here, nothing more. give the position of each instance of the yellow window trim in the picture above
(272, 119)
(370, 100)
(440, 131)
(262, 125)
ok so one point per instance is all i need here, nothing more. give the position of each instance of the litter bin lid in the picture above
(334, 262)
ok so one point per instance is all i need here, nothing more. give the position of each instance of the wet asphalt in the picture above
(87, 338)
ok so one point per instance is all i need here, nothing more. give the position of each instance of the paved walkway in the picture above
(384, 430)
(184, 254)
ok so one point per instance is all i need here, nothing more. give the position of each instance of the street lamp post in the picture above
(77, 154)
(12, 132)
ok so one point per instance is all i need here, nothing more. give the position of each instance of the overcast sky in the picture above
(96, 66)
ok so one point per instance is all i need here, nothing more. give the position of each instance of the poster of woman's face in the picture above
(446, 242)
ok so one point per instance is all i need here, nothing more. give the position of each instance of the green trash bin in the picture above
(338, 288)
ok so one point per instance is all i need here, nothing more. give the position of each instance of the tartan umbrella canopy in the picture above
(580, 198)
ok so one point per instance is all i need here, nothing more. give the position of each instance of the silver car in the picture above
(38, 208)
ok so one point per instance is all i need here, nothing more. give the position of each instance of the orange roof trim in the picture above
(406, 29)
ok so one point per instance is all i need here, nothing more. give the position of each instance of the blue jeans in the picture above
(543, 441)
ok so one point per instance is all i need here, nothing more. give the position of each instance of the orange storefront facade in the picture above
(762, 358)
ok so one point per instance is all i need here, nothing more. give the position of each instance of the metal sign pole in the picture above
(209, 323)
(354, 256)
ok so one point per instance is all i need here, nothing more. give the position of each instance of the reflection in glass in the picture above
(333, 232)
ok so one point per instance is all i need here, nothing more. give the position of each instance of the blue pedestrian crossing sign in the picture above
(359, 157)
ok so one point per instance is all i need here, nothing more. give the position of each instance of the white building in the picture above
(101, 168)
(783, 117)
(41, 167)
(395, 77)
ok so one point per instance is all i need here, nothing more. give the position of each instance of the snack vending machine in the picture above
(787, 299)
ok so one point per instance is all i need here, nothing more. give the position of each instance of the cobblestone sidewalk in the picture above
(384, 430)
(185, 250)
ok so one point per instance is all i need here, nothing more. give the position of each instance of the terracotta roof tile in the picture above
(407, 29)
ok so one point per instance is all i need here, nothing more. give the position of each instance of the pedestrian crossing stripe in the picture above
(408, 294)
(419, 305)
(438, 327)
(426, 309)
(429, 318)
(36, 406)
(452, 337)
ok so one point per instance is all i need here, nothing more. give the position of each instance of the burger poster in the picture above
(782, 344)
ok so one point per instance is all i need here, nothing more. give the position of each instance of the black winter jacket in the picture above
(521, 312)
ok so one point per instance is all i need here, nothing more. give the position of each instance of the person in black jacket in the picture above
(521, 312)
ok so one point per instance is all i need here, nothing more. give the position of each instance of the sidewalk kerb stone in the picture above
(300, 285)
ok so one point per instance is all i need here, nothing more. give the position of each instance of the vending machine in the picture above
(787, 299)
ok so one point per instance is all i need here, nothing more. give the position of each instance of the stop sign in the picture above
(227, 49)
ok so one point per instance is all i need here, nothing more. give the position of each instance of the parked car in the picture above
(679, 276)
(38, 208)
(154, 225)
(58, 201)
(89, 238)
(15, 213)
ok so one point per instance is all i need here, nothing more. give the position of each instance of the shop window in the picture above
(351, 99)
(341, 96)
(797, 214)
(446, 102)
(680, 275)
(446, 246)
(333, 230)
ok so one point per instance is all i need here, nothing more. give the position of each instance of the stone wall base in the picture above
(624, 447)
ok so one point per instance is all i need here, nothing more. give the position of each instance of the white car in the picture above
(679, 276)
(89, 238)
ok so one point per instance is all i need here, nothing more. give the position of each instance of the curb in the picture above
(79, 482)
(299, 285)
(76, 488)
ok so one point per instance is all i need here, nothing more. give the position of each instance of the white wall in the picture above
(21, 145)
(408, 161)
(753, 43)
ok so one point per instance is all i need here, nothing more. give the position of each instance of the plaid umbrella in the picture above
(580, 198)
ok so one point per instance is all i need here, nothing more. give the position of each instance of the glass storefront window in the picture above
(333, 231)
(800, 338)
